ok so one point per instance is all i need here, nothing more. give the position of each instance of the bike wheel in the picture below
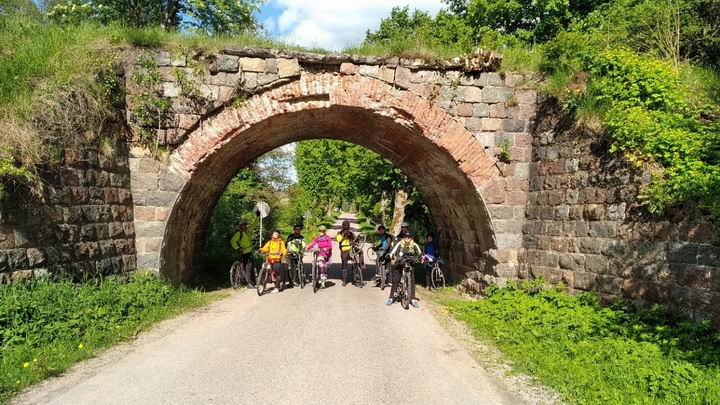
(357, 275)
(405, 294)
(262, 281)
(383, 275)
(233, 276)
(315, 277)
(437, 278)
(301, 274)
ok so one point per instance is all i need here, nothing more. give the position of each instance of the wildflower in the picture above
(35, 360)
(26, 365)
(17, 382)
(81, 346)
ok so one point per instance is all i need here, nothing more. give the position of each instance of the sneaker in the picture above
(275, 291)
(344, 283)
(415, 303)
(389, 301)
(322, 283)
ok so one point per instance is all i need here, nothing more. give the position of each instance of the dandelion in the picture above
(17, 382)
(81, 346)
(26, 365)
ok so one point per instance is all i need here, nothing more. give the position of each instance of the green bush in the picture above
(597, 355)
(47, 326)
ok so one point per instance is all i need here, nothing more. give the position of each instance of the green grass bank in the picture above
(46, 326)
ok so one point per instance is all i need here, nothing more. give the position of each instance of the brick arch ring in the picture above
(446, 163)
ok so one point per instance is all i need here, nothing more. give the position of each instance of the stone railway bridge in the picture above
(520, 192)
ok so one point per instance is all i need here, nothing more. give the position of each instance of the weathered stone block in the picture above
(489, 79)
(473, 94)
(288, 68)
(252, 65)
(572, 261)
(596, 264)
(496, 94)
(480, 109)
(584, 281)
(386, 74)
(347, 68)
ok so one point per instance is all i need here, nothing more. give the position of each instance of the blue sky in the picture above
(328, 24)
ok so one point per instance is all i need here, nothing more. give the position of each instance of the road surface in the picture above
(342, 345)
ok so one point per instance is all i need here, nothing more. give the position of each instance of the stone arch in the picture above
(448, 165)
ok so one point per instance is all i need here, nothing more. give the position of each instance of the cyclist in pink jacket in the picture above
(323, 244)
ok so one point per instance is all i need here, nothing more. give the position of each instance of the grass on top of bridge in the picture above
(46, 326)
(592, 354)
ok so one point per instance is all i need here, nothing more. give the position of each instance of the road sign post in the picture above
(262, 210)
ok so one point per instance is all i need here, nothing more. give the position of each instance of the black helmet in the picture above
(346, 222)
(407, 234)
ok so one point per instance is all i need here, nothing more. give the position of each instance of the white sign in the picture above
(262, 209)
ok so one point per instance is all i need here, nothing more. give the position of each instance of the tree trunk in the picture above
(384, 201)
(402, 199)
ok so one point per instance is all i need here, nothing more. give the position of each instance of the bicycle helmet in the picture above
(407, 234)
(322, 228)
(404, 225)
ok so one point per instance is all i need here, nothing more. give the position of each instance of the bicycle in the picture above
(437, 276)
(266, 274)
(316, 273)
(355, 252)
(295, 263)
(237, 275)
(381, 270)
(403, 292)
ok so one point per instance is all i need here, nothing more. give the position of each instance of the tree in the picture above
(530, 20)
(214, 17)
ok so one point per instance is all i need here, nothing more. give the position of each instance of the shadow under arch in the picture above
(453, 199)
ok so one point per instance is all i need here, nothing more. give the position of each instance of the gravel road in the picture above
(342, 345)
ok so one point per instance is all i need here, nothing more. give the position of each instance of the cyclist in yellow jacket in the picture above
(241, 243)
(345, 239)
(276, 251)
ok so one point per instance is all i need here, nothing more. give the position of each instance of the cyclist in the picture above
(404, 227)
(429, 255)
(241, 243)
(404, 250)
(276, 252)
(382, 247)
(295, 244)
(345, 239)
(323, 244)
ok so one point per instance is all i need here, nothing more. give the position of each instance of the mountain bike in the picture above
(237, 275)
(295, 264)
(318, 264)
(355, 252)
(265, 276)
(403, 293)
(381, 269)
(437, 277)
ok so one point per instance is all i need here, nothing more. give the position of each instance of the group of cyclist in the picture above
(393, 253)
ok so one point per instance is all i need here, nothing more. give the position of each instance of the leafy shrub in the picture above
(47, 326)
(593, 354)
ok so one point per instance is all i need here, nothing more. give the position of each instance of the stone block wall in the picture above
(585, 227)
(81, 225)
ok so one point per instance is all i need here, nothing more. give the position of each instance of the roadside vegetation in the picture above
(593, 354)
(46, 326)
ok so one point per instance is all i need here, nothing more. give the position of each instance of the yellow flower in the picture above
(81, 346)
(26, 365)
(17, 382)
(35, 360)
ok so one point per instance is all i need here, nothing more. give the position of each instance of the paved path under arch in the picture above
(339, 346)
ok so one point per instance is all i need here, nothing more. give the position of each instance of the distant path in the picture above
(339, 346)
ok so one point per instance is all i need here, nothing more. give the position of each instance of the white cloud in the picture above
(336, 24)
